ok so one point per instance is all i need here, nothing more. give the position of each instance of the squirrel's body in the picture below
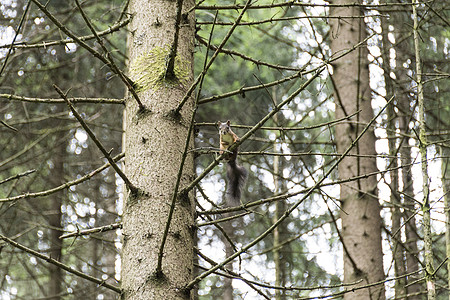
(236, 174)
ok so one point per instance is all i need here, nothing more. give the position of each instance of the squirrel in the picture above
(236, 174)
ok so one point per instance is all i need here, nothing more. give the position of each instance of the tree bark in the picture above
(426, 208)
(228, 282)
(445, 154)
(55, 216)
(396, 227)
(414, 286)
(154, 142)
(361, 221)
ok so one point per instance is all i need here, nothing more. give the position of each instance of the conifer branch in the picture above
(52, 261)
(99, 145)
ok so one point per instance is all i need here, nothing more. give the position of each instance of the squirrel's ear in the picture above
(228, 122)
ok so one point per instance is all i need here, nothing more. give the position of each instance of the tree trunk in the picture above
(154, 142)
(398, 249)
(445, 154)
(404, 116)
(426, 208)
(361, 221)
(55, 216)
(228, 282)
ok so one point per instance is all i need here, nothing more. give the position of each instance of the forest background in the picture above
(344, 116)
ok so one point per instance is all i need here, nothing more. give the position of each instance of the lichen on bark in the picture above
(148, 71)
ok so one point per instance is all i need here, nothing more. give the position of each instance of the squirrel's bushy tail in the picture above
(236, 176)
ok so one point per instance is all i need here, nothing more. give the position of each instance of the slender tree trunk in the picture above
(445, 154)
(412, 262)
(398, 249)
(56, 278)
(228, 282)
(361, 221)
(405, 111)
(426, 209)
(279, 231)
(229, 231)
(155, 138)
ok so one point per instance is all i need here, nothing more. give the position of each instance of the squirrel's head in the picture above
(224, 128)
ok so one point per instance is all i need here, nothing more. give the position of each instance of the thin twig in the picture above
(243, 90)
(289, 195)
(64, 185)
(232, 217)
(231, 274)
(255, 61)
(110, 30)
(109, 57)
(91, 134)
(284, 19)
(175, 194)
(92, 230)
(296, 3)
(169, 71)
(19, 27)
(8, 126)
(213, 57)
(292, 208)
(25, 149)
(251, 131)
(345, 291)
(73, 99)
(180, 170)
(274, 287)
(52, 261)
(17, 176)
(289, 128)
(128, 82)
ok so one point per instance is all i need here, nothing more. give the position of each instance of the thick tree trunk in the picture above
(361, 221)
(154, 143)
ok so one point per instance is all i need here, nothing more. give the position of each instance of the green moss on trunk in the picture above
(148, 70)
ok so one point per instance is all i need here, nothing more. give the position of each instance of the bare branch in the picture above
(128, 82)
(111, 29)
(292, 208)
(91, 134)
(65, 185)
(19, 27)
(50, 260)
(205, 69)
(53, 100)
(92, 230)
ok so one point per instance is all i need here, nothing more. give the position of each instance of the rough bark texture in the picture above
(154, 142)
(361, 221)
